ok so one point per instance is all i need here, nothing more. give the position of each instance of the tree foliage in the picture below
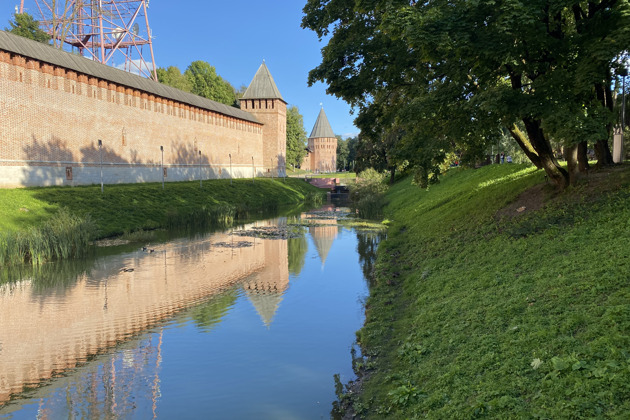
(206, 82)
(352, 143)
(367, 195)
(172, 76)
(432, 77)
(342, 153)
(296, 137)
(25, 26)
(200, 78)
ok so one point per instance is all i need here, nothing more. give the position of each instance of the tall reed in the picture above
(63, 236)
(203, 217)
(218, 216)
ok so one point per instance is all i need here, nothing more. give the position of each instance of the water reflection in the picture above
(46, 328)
(106, 387)
(367, 245)
(207, 315)
(297, 248)
(111, 337)
(323, 228)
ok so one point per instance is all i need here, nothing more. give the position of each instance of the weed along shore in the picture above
(51, 223)
(495, 296)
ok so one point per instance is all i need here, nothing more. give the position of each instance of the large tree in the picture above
(206, 82)
(24, 25)
(201, 79)
(447, 74)
(296, 137)
(342, 154)
(172, 76)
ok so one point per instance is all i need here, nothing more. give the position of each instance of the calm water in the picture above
(226, 325)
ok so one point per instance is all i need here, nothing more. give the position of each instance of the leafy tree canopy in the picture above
(172, 76)
(433, 77)
(342, 153)
(346, 153)
(24, 25)
(200, 78)
(207, 83)
(296, 137)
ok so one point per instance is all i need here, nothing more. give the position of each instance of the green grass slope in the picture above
(488, 304)
(127, 208)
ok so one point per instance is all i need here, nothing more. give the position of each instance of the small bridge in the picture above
(332, 184)
(326, 183)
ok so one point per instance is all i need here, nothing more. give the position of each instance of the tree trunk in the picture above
(582, 156)
(541, 146)
(392, 175)
(540, 153)
(602, 151)
(525, 145)
(572, 157)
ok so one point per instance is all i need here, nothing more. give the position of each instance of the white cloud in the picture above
(133, 67)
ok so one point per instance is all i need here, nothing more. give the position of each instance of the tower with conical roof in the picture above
(263, 99)
(322, 146)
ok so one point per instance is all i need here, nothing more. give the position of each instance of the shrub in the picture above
(314, 198)
(367, 196)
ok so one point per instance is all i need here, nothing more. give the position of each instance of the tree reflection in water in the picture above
(207, 315)
(367, 245)
(297, 253)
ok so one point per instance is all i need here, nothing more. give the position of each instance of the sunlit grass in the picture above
(131, 207)
(509, 177)
(40, 224)
(477, 316)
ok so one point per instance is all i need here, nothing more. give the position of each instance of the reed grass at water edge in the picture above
(43, 224)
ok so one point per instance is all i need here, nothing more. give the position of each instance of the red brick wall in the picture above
(53, 118)
(273, 114)
(324, 155)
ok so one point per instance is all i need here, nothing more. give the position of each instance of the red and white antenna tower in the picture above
(113, 32)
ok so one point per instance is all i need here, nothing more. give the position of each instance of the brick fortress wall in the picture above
(273, 114)
(51, 120)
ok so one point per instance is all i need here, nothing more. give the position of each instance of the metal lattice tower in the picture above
(113, 32)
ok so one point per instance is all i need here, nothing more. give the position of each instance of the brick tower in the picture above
(322, 146)
(263, 99)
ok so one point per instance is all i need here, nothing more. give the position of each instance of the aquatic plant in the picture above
(220, 215)
(63, 236)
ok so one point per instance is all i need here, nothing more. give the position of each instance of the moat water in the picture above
(249, 323)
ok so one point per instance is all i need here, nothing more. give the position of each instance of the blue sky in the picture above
(235, 37)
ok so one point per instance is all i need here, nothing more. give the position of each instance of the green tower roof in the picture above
(322, 127)
(262, 86)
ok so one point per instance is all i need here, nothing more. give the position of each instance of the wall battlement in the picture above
(52, 117)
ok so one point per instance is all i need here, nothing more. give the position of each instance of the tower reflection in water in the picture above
(63, 333)
(47, 330)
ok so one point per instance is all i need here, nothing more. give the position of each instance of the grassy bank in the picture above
(342, 175)
(493, 299)
(24, 213)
